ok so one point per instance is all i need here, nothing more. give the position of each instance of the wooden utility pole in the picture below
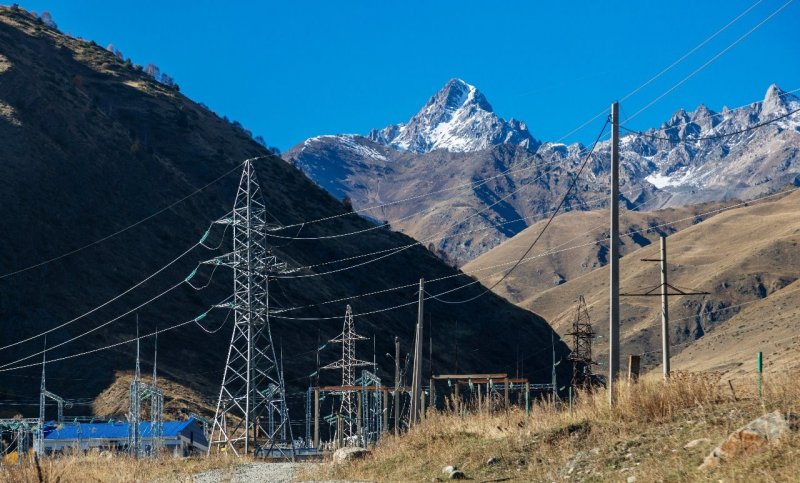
(396, 386)
(613, 325)
(665, 286)
(416, 382)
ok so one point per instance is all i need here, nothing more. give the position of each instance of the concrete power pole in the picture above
(613, 325)
(665, 293)
(396, 386)
(416, 381)
(664, 308)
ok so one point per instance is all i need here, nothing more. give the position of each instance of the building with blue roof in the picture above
(180, 438)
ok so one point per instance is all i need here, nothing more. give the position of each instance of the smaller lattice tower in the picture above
(581, 355)
(135, 405)
(348, 364)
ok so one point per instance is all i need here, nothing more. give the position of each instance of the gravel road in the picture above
(252, 473)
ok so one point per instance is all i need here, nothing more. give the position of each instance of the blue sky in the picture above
(292, 70)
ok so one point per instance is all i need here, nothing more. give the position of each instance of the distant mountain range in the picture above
(457, 138)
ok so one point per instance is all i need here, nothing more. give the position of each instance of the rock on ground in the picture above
(344, 455)
(252, 472)
(753, 437)
(696, 442)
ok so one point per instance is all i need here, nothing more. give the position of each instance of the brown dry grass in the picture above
(101, 468)
(179, 400)
(741, 256)
(643, 436)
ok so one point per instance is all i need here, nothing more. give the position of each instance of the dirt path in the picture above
(252, 473)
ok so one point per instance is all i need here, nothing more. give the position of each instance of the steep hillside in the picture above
(694, 157)
(574, 245)
(91, 145)
(767, 325)
(741, 256)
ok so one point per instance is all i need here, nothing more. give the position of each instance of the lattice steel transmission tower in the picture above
(348, 364)
(581, 355)
(251, 414)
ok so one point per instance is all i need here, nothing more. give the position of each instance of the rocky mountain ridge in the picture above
(456, 139)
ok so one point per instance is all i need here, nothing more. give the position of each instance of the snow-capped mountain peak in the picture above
(457, 118)
(777, 102)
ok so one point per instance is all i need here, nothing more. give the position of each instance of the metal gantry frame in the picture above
(251, 414)
(140, 392)
(44, 395)
(372, 407)
(24, 431)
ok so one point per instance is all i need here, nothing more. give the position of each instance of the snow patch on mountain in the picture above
(458, 118)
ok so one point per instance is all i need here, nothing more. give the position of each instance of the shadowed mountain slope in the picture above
(91, 144)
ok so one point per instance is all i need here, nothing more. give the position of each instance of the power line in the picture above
(544, 228)
(404, 248)
(690, 52)
(710, 61)
(421, 242)
(718, 114)
(473, 185)
(397, 250)
(663, 71)
(117, 344)
(94, 329)
(442, 237)
(715, 136)
(123, 230)
(118, 296)
(524, 260)
(434, 296)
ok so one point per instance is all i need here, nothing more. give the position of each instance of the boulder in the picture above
(345, 455)
(753, 437)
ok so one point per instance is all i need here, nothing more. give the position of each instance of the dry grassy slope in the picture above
(644, 436)
(768, 325)
(179, 400)
(89, 145)
(741, 255)
(570, 230)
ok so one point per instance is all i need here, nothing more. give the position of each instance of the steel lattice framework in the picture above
(44, 394)
(139, 393)
(348, 364)
(251, 414)
(581, 355)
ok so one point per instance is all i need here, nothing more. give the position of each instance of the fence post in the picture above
(633, 367)
(527, 399)
(760, 371)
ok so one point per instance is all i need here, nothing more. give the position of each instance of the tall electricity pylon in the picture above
(251, 415)
(348, 364)
(581, 355)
